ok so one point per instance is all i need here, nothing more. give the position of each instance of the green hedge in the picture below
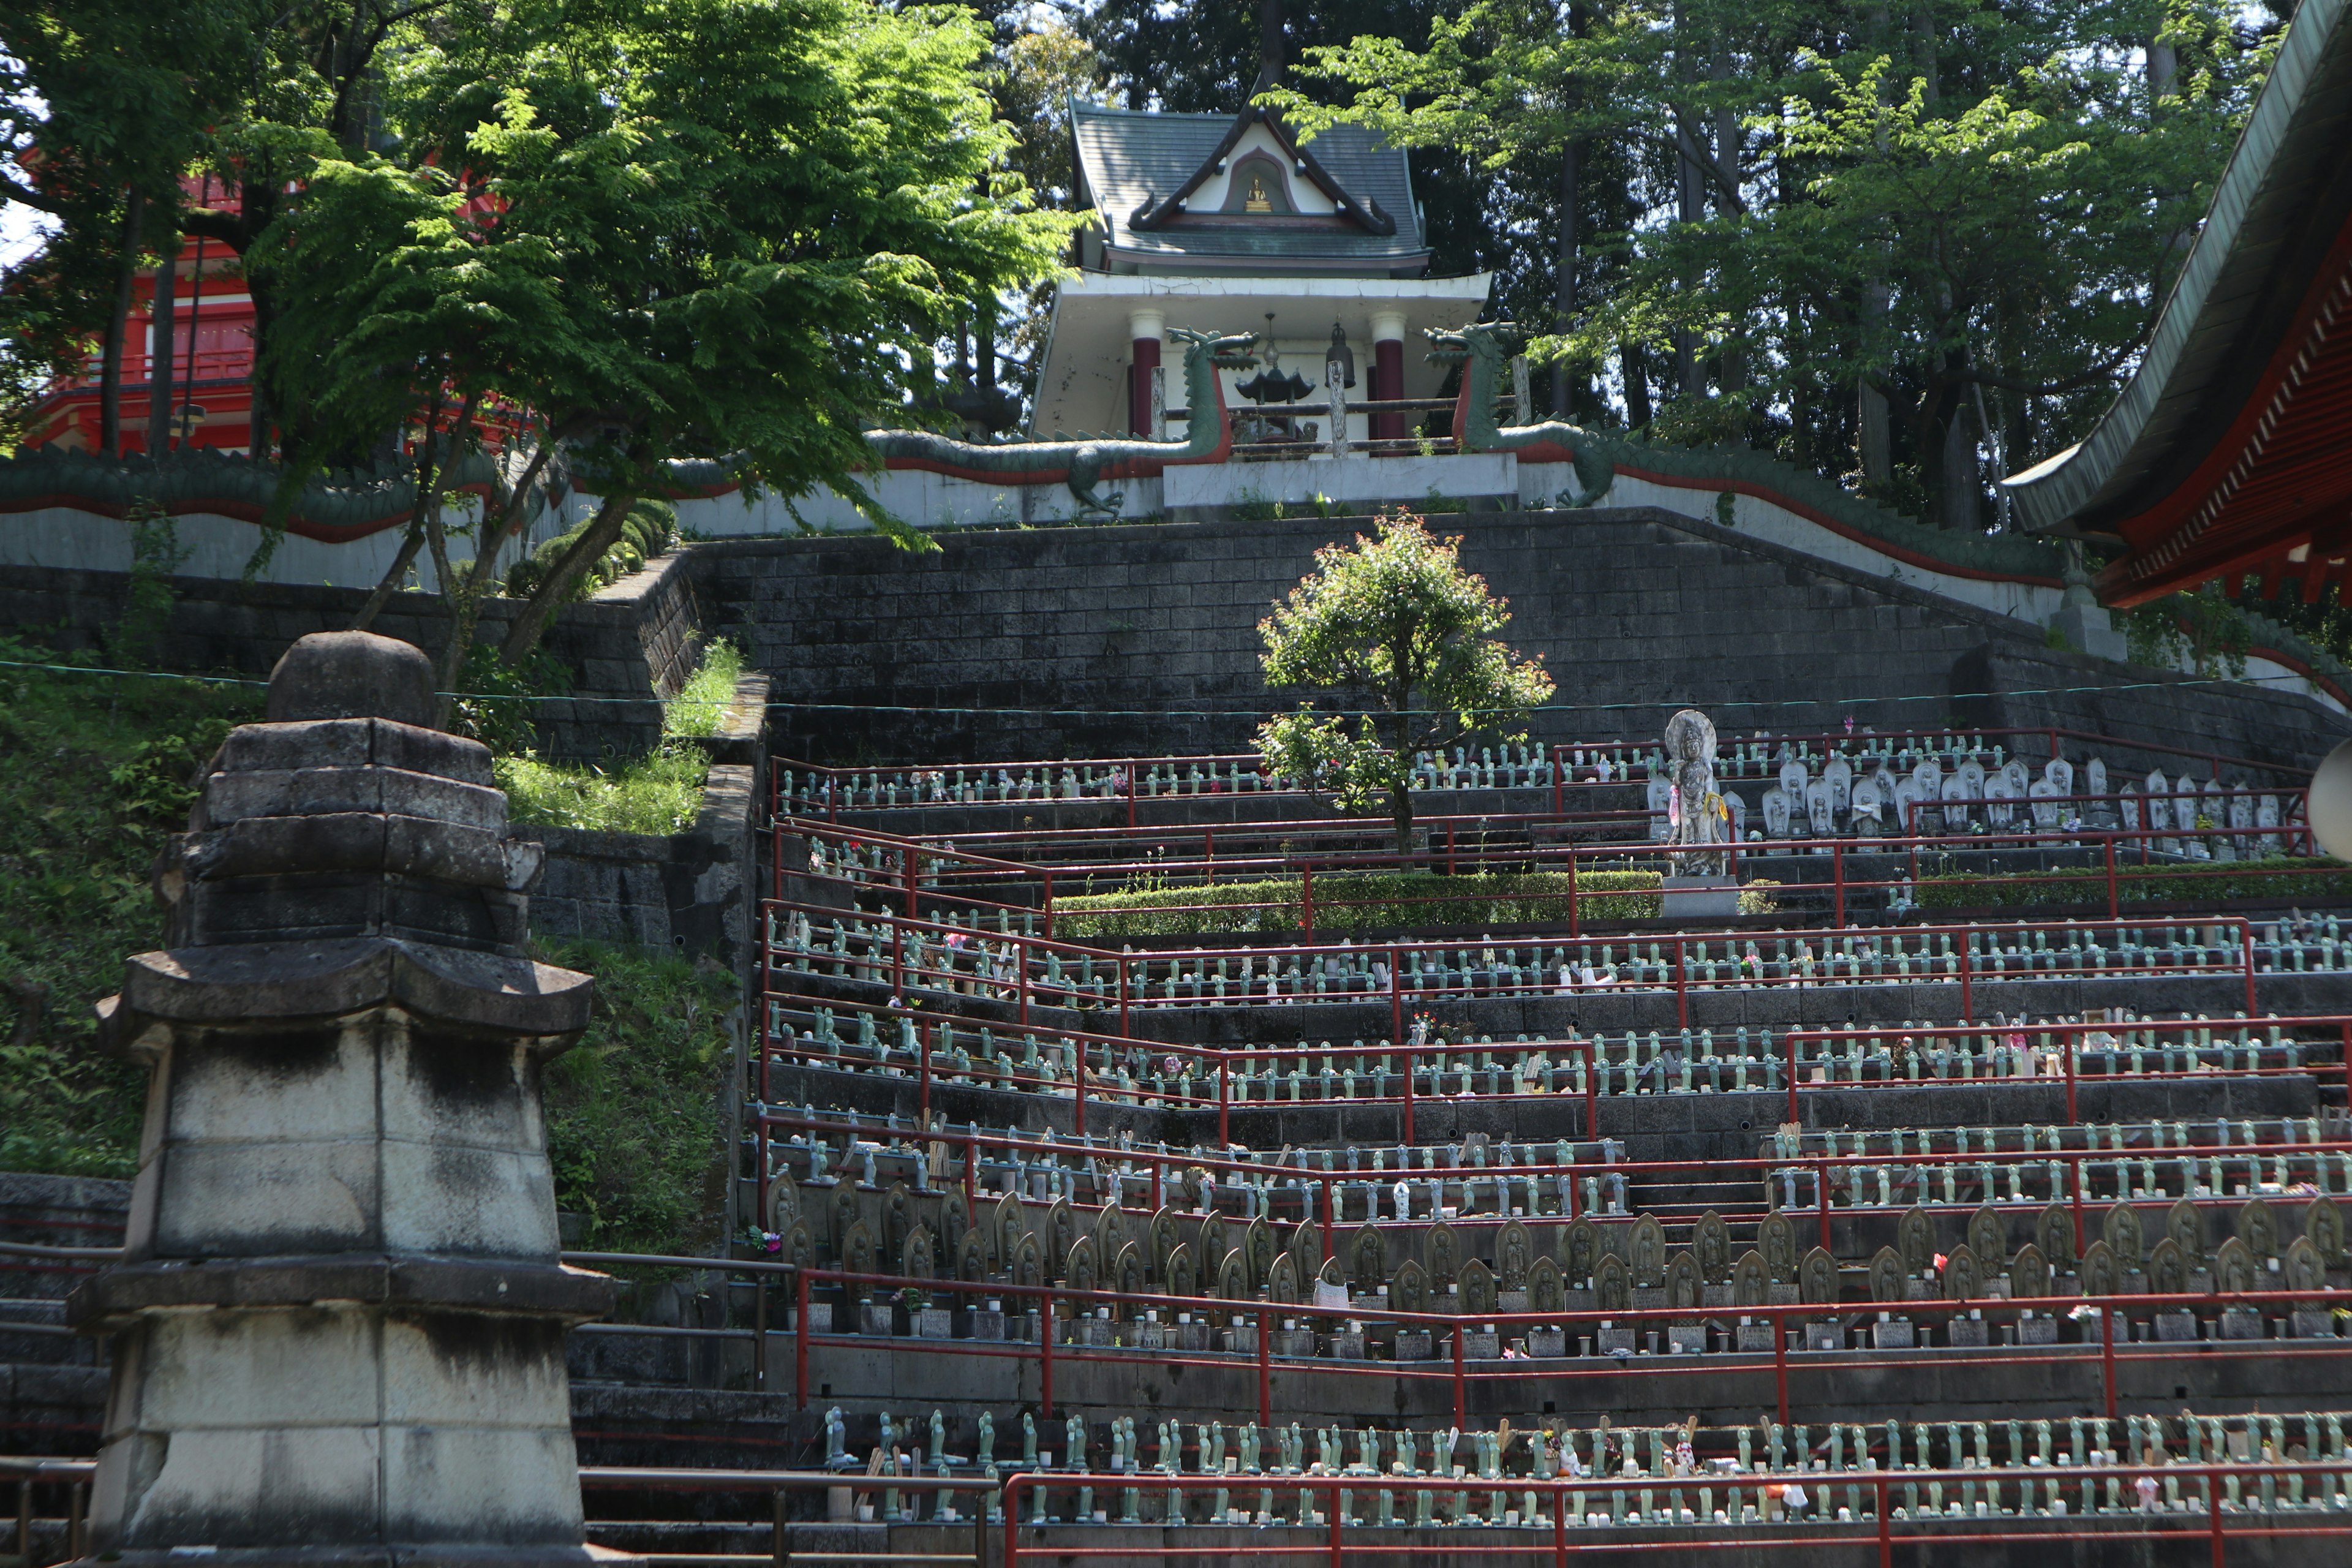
(1358, 900)
(2213, 881)
(650, 529)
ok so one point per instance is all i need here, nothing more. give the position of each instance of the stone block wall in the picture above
(2026, 685)
(1143, 639)
(693, 892)
(669, 621)
(623, 646)
(1138, 639)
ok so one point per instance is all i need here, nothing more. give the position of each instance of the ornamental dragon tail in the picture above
(337, 506)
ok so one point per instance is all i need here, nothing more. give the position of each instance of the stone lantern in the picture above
(338, 1326)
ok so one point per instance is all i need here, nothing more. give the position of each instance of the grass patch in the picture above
(635, 1129)
(701, 704)
(1360, 900)
(659, 792)
(94, 771)
(2309, 877)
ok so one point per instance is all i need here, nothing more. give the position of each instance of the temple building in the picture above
(1232, 223)
(188, 384)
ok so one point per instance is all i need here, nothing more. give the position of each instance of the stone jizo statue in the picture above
(1698, 816)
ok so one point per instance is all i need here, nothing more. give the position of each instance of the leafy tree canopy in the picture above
(1395, 621)
(679, 228)
(1917, 245)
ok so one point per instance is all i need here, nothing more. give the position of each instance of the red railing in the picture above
(1354, 1514)
(1602, 1188)
(916, 875)
(2107, 880)
(1570, 763)
(1480, 836)
(975, 1148)
(1085, 1082)
(1413, 971)
(1338, 1532)
(213, 365)
(1060, 1304)
(1091, 1061)
(1452, 1363)
(2017, 1040)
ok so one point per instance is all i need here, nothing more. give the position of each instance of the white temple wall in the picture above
(221, 547)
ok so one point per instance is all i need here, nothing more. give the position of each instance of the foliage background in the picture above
(95, 769)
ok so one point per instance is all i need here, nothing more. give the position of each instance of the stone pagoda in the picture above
(338, 1326)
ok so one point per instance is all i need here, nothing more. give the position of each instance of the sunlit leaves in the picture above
(1394, 621)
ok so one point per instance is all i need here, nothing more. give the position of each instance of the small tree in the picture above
(1396, 620)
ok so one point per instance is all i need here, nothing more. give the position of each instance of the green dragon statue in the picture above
(338, 506)
(1480, 347)
(1085, 463)
(1601, 460)
(335, 507)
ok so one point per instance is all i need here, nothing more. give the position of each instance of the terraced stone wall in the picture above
(1107, 641)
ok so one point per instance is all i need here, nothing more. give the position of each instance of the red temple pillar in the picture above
(1388, 372)
(1144, 326)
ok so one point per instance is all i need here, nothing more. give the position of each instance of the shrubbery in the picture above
(2207, 882)
(659, 792)
(634, 1124)
(650, 529)
(701, 704)
(1360, 900)
(94, 771)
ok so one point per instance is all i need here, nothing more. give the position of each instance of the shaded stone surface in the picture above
(338, 1326)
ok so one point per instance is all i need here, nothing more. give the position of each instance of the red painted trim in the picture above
(2296, 665)
(1842, 530)
(2150, 528)
(239, 511)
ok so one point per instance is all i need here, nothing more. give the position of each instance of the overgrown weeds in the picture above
(659, 792)
(701, 705)
(634, 1128)
(94, 771)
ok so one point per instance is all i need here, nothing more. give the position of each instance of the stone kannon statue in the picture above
(1700, 817)
(338, 1325)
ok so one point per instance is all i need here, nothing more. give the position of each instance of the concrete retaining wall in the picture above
(1120, 640)
(624, 648)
